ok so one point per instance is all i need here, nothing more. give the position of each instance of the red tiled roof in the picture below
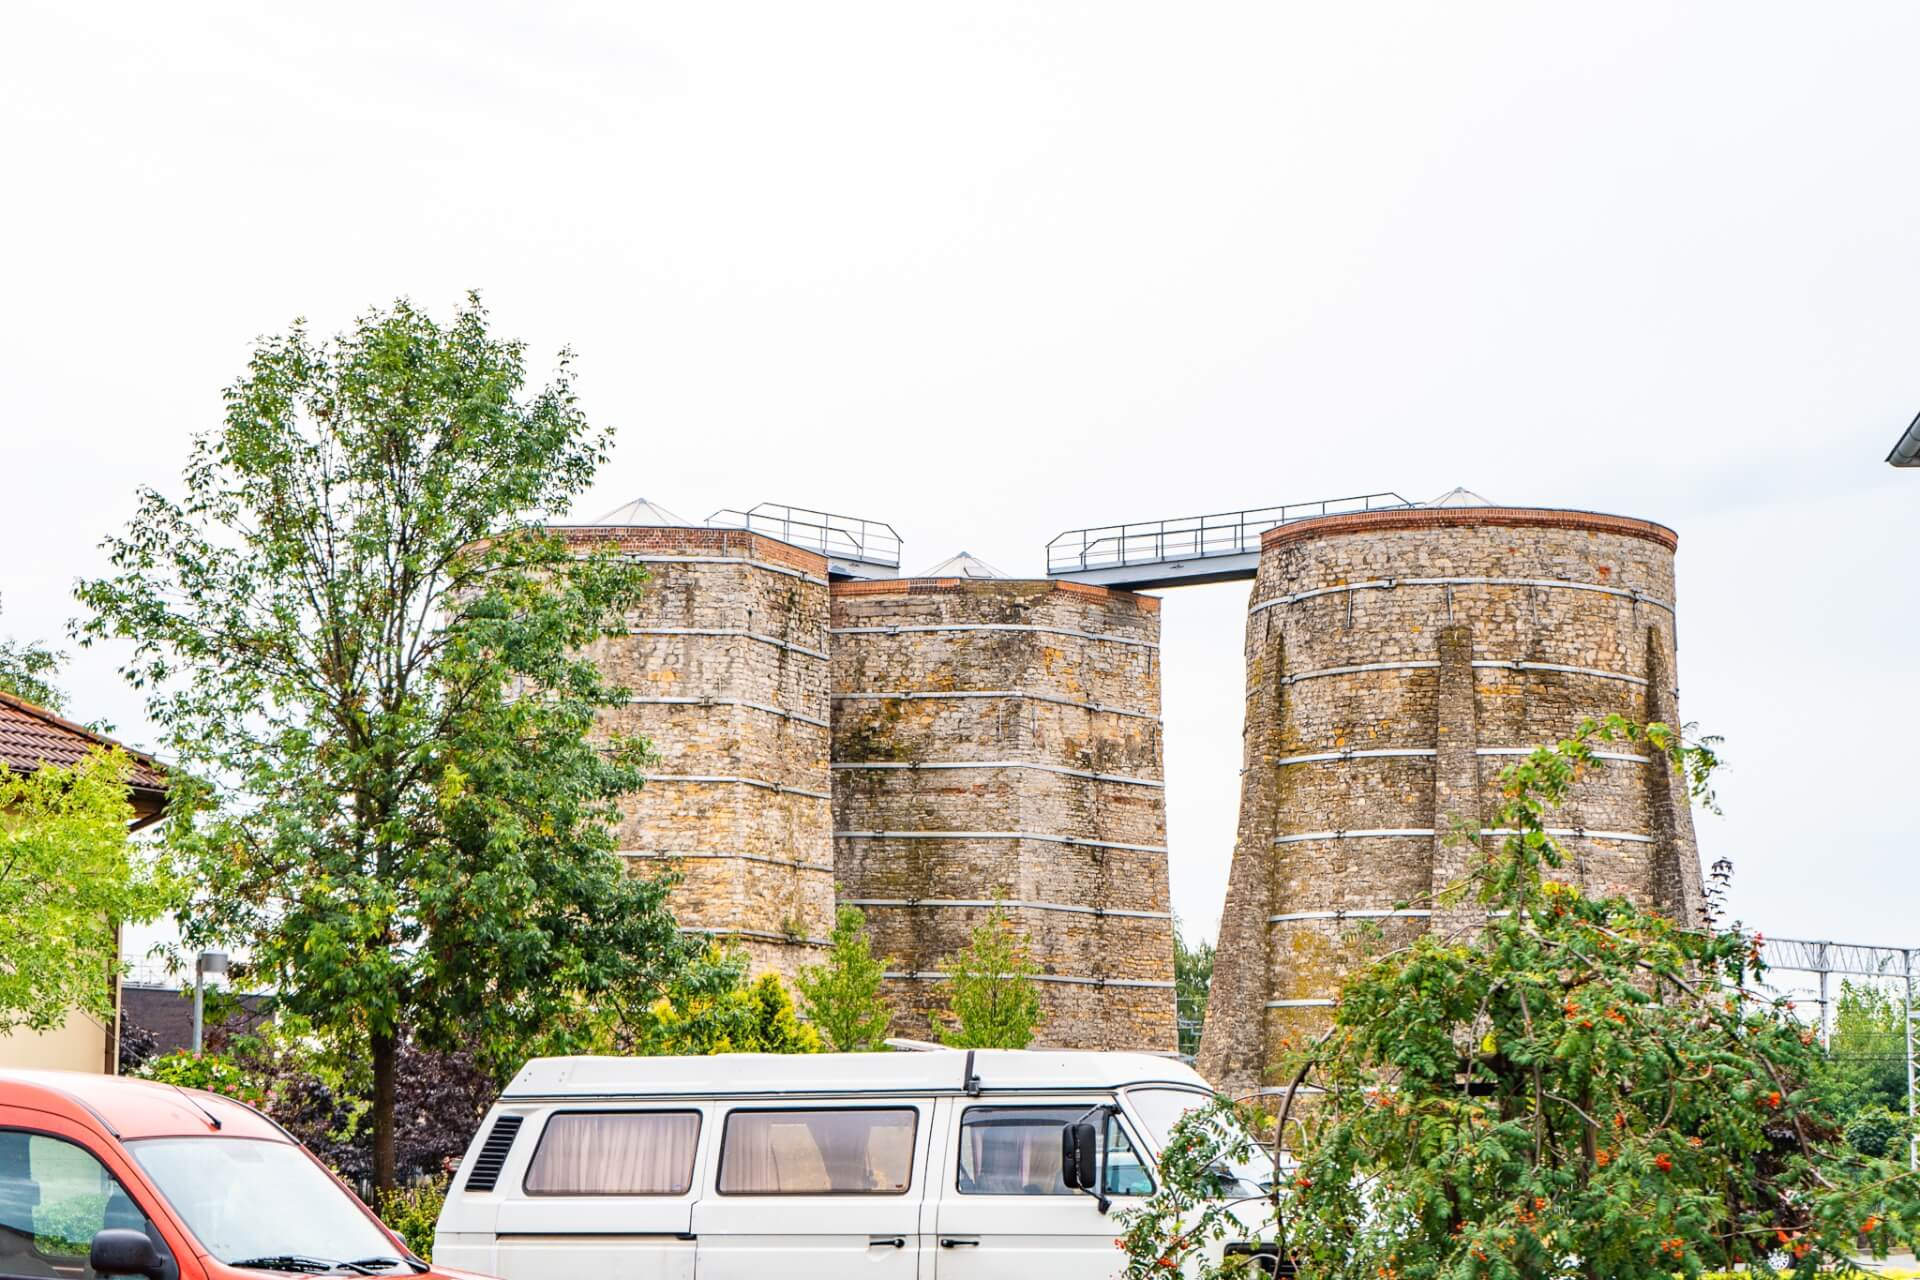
(31, 736)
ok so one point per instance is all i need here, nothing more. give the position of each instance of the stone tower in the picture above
(999, 739)
(725, 659)
(1395, 660)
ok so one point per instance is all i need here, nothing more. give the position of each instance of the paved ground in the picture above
(1897, 1264)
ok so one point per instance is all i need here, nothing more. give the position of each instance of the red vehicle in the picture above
(101, 1176)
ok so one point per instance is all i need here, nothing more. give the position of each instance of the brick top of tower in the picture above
(992, 587)
(693, 540)
(1416, 518)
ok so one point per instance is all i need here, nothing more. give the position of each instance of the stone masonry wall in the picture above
(1395, 661)
(1002, 738)
(726, 663)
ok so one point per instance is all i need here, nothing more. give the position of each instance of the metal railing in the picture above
(1229, 533)
(150, 972)
(1188, 1030)
(848, 537)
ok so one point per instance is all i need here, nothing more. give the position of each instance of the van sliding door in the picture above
(606, 1193)
(821, 1190)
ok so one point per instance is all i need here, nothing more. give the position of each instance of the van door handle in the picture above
(959, 1242)
(897, 1242)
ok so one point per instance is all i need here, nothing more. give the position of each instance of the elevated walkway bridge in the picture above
(1224, 547)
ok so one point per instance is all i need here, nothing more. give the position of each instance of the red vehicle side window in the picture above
(54, 1196)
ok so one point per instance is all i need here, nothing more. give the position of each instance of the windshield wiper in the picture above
(311, 1266)
(385, 1262)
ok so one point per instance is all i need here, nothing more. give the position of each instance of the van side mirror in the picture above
(1079, 1157)
(119, 1251)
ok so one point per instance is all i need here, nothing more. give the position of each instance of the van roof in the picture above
(130, 1109)
(937, 1071)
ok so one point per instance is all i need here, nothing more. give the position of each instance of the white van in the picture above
(944, 1164)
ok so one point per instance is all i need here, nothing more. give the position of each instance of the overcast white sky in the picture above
(990, 271)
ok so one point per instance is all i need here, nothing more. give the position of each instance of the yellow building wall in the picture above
(78, 1045)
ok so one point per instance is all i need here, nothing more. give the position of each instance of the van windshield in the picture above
(1161, 1109)
(257, 1203)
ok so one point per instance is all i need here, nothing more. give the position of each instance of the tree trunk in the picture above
(385, 1051)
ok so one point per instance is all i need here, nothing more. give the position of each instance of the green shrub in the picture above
(1873, 1131)
(715, 1008)
(413, 1211)
(214, 1072)
(64, 1229)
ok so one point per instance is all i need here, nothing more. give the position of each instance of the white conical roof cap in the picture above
(963, 565)
(1458, 496)
(643, 514)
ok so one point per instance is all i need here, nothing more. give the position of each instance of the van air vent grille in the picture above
(493, 1154)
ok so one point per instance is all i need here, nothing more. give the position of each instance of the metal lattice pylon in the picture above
(1851, 959)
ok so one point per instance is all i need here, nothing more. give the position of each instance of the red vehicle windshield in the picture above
(266, 1204)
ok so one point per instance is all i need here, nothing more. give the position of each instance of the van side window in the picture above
(54, 1196)
(1015, 1151)
(1126, 1163)
(615, 1153)
(845, 1151)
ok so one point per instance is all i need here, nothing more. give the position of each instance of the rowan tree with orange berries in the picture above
(1572, 1087)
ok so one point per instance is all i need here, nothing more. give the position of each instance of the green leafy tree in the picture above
(354, 627)
(841, 996)
(69, 876)
(321, 1096)
(715, 1008)
(993, 1001)
(1192, 980)
(28, 671)
(1576, 1088)
(1867, 1050)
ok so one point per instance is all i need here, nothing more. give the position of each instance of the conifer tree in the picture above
(993, 1001)
(842, 996)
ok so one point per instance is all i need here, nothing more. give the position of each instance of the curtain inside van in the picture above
(615, 1153)
(841, 1152)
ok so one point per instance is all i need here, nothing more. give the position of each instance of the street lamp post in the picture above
(207, 962)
